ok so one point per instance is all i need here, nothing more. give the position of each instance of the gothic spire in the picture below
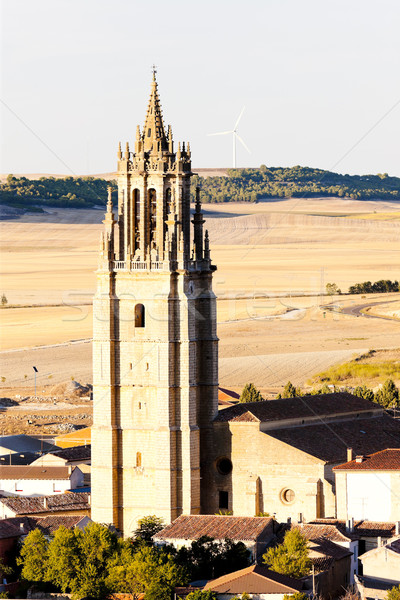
(154, 126)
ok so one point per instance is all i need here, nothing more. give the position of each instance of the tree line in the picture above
(250, 185)
(96, 562)
(240, 185)
(67, 192)
(387, 396)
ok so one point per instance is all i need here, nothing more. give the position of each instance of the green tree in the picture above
(362, 391)
(290, 391)
(199, 595)
(77, 559)
(155, 573)
(296, 596)
(34, 556)
(332, 289)
(148, 527)
(206, 558)
(393, 593)
(291, 557)
(250, 394)
(4, 300)
(388, 395)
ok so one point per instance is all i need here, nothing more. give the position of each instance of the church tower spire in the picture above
(155, 377)
(153, 132)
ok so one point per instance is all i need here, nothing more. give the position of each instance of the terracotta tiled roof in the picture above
(27, 472)
(9, 529)
(385, 460)
(363, 528)
(56, 503)
(192, 527)
(326, 531)
(323, 546)
(48, 525)
(254, 580)
(51, 523)
(74, 453)
(302, 407)
(329, 442)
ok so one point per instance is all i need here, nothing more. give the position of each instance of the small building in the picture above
(332, 533)
(258, 581)
(332, 567)
(38, 481)
(254, 532)
(381, 570)
(74, 456)
(23, 443)
(369, 534)
(80, 437)
(368, 487)
(68, 504)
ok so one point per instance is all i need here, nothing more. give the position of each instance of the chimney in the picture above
(45, 505)
(360, 458)
(89, 499)
(397, 525)
(349, 454)
(350, 525)
(300, 519)
(289, 521)
(69, 469)
(379, 541)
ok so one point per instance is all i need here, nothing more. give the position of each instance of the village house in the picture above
(369, 534)
(254, 532)
(381, 570)
(368, 487)
(38, 480)
(257, 581)
(68, 504)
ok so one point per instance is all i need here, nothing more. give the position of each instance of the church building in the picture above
(159, 444)
(155, 348)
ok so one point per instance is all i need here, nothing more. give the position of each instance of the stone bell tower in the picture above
(155, 349)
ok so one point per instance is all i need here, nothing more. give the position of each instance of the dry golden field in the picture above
(274, 260)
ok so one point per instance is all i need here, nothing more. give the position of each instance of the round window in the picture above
(287, 496)
(224, 466)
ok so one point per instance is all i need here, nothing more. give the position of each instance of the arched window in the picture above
(138, 459)
(136, 201)
(153, 212)
(139, 315)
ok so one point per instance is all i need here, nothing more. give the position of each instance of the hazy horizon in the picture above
(318, 81)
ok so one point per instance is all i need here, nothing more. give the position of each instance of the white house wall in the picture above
(369, 496)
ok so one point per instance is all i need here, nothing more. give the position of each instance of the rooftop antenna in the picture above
(235, 136)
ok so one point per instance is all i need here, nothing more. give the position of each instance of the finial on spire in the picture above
(127, 151)
(154, 69)
(119, 151)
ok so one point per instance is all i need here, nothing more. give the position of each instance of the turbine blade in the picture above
(239, 117)
(242, 142)
(220, 133)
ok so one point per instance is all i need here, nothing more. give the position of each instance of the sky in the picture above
(319, 80)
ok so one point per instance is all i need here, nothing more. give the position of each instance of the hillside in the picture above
(250, 185)
(217, 185)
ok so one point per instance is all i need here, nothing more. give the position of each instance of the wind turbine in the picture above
(235, 136)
